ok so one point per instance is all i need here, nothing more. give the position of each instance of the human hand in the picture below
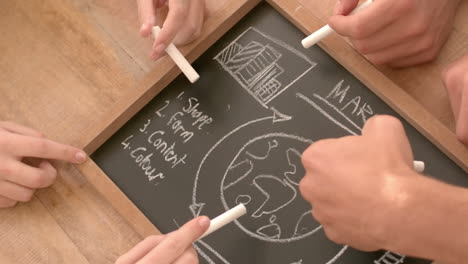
(357, 185)
(455, 78)
(173, 248)
(19, 180)
(399, 33)
(183, 23)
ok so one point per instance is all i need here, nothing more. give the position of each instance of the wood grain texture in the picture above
(29, 234)
(77, 70)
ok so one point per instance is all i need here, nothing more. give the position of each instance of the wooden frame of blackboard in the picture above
(342, 52)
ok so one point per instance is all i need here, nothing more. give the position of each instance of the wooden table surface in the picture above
(63, 65)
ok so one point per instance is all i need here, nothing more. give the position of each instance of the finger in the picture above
(416, 46)
(389, 36)
(453, 81)
(6, 203)
(177, 242)
(147, 16)
(24, 146)
(344, 7)
(462, 121)
(188, 257)
(390, 130)
(417, 59)
(140, 250)
(19, 129)
(366, 22)
(178, 11)
(15, 192)
(192, 28)
(28, 176)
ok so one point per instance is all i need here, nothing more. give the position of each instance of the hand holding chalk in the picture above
(322, 33)
(160, 248)
(225, 219)
(179, 59)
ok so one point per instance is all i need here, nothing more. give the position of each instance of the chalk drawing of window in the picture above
(259, 65)
(390, 258)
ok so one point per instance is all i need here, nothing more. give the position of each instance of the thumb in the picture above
(389, 131)
(344, 7)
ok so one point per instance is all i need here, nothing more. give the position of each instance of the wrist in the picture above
(431, 223)
(399, 201)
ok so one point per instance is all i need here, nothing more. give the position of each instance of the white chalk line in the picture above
(325, 113)
(194, 195)
(223, 199)
(338, 111)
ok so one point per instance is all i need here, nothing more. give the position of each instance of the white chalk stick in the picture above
(320, 34)
(419, 166)
(225, 219)
(179, 59)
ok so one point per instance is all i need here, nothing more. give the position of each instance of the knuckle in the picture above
(377, 60)
(197, 32)
(428, 42)
(358, 30)
(152, 239)
(7, 170)
(304, 188)
(41, 147)
(317, 216)
(4, 141)
(450, 76)
(191, 257)
(361, 46)
(402, 7)
(465, 83)
(8, 204)
(39, 180)
(418, 28)
(462, 133)
(429, 55)
(181, 11)
(384, 121)
(120, 260)
(333, 235)
(26, 196)
(40, 134)
(174, 244)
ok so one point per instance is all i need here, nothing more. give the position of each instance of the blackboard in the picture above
(236, 136)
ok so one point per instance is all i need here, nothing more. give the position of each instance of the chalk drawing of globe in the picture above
(265, 176)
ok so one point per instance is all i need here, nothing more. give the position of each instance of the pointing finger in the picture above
(23, 146)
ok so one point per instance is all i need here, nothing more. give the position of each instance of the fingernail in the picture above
(142, 27)
(204, 222)
(158, 51)
(338, 10)
(80, 157)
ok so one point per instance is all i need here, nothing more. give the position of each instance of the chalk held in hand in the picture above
(419, 166)
(322, 33)
(179, 59)
(225, 219)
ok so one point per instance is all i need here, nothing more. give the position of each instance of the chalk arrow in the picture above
(196, 208)
(278, 116)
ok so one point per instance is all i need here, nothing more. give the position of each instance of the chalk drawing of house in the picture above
(254, 67)
(258, 61)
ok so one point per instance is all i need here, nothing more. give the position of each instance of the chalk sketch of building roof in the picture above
(256, 66)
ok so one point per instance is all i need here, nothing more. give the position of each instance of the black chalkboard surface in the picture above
(237, 136)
